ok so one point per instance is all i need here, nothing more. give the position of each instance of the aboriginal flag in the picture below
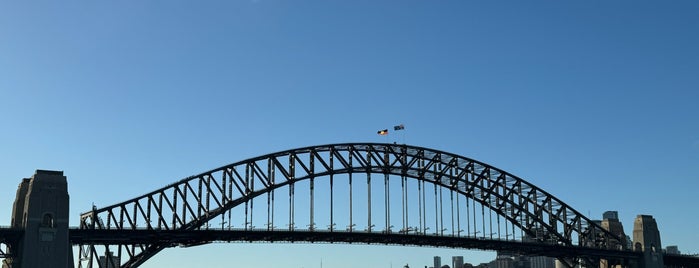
(382, 132)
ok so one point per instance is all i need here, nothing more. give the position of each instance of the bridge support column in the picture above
(41, 209)
(646, 239)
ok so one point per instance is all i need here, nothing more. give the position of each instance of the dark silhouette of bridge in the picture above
(355, 193)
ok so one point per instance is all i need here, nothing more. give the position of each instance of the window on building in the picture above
(47, 220)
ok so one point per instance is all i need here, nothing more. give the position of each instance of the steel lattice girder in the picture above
(190, 203)
(9, 238)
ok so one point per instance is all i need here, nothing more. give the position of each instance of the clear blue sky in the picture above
(594, 101)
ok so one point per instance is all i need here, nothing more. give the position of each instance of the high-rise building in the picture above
(457, 262)
(504, 260)
(110, 261)
(610, 215)
(542, 262)
(614, 226)
(437, 262)
(672, 250)
(504, 263)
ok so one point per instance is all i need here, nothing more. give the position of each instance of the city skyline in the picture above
(593, 102)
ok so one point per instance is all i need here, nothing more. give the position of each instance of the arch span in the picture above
(228, 193)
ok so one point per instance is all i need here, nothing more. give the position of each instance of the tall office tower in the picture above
(110, 261)
(437, 262)
(530, 261)
(672, 250)
(504, 263)
(504, 260)
(608, 215)
(457, 262)
(542, 262)
(614, 226)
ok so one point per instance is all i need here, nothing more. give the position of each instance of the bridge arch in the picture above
(193, 202)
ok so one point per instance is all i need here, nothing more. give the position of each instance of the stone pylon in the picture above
(41, 210)
(646, 239)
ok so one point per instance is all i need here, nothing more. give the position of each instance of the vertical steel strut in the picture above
(351, 225)
(387, 202)
(332, 221)
(368, 191)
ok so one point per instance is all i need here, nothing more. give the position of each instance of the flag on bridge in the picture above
(399, 127)
(382, 132)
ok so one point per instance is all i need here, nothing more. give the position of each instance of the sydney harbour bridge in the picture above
(369, 193)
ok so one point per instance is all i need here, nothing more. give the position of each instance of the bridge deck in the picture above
(10, 234)
(197, 237)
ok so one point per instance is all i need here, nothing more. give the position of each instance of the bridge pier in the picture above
(41, 210)
(646, 239)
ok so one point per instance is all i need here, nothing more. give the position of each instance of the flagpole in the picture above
(404, 140)
(400, 127)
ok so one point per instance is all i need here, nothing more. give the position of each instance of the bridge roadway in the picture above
(188, 238)
(198, 237)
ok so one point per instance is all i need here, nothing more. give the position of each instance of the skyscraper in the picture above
(457, 261)
(612, 224)
(672, 250)
(437, 262)
(504, 260)
(542, 262)
(610, 215)
(109, 261)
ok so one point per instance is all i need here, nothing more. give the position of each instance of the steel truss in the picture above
(9, 238)
(4, 251)
(195, 202)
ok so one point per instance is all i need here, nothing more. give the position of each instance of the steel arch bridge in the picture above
(351, 193)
